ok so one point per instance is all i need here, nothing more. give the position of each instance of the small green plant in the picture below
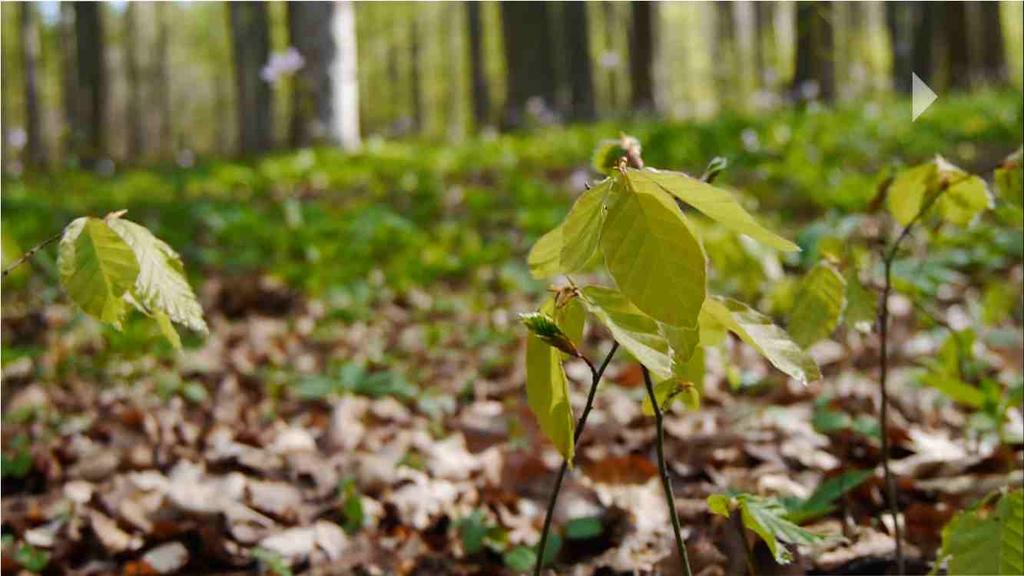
(911, 197)
(765, 517)
(108, 264)
(635, 226)
(986, 539)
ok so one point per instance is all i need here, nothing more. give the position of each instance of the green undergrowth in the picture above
(422, 213)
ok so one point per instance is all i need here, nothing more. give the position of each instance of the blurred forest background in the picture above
(136, 83)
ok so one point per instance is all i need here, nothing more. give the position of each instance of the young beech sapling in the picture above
(635, 227)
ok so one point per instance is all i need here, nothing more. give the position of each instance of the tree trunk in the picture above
(899, 20)
(250, 40)
(529, 60)
(958, 68)
(725, 60)
(815, 65)
(576, 33)
(345, 128)
(610, 26)
(764, 44)
(453, 44)
(310, 32)
(136, 143)
(992, 69)
(92, 84)
(415, 78)
(69, 80)
(641, 56)
(924, 22)
(35, 152)
(481, 89)
(162, 83)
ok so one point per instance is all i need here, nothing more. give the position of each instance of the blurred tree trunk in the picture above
(345, 129)
(957, 56)
(415, 78)
(91, 93)
(899, 20)
(250, 40)
(481, 89)
(641, 56)
(35, 153)
(924, 23)
(610, 27)
(165, 130)
(69, 79)
(815, 59)
(992, 58)
(724, 55)
(136, 139)
(309, 31)
(576, 34)
(529, 59)
(454, 60)
(764, 43)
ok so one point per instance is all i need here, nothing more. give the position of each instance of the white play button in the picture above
(921, 96)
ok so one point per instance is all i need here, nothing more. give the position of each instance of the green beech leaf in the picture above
(758, 331)
(545, 255)
(161, 284)
(547, 391)
(819, 304)
(766, 518)
(907, 191)
(1009, 178)
(964, 200)
(581, 229)
(631, 328)
(97, 267)
(654, 257)
(963, 196)
(713, 202)
(979, 541)
(683, 342)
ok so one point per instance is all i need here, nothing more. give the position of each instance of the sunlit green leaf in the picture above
(713, 202)
(97, 267)
(965, 199)
(820, 302)
(631, 328)
(907, 192)
(581, 230)
(161, 284)
(980, 541)
(654, 257)
(758, 331)
(545, 259)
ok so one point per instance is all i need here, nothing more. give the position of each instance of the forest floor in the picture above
(384, 429)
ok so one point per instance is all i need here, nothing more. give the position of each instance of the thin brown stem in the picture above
(32, 252)
(888, 258)
(666, 480)
(595, 374)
